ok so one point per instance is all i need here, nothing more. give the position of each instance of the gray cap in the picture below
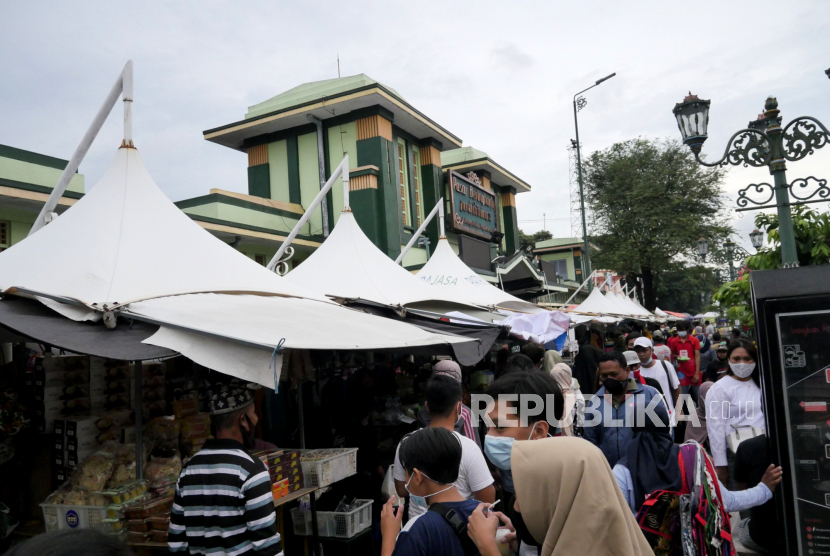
(631, 358)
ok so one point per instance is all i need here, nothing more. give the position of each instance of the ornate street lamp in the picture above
(692, 119)
(757, 239)
(702, 248)
(764, 143)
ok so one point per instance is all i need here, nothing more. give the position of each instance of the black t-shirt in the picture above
(711, 372)
(751, 463)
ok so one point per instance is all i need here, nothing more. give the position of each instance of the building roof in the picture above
(316, 90)
(472, 159)
(558, 242)
(328, 99)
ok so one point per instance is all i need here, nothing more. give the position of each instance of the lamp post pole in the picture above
(579, 104)
(764, 143)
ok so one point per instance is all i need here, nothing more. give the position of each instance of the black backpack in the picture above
(458, 525)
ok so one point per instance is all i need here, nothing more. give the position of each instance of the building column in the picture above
(376, 209)
(432, 184)
(511, 220)
(259, 177)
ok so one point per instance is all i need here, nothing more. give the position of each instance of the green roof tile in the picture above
(316, 90)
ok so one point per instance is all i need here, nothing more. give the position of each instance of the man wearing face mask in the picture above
(685, 350)
(616, 405)
(443, 401)
(224, 475)
(508, 428)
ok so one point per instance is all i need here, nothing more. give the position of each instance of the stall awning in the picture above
(31, 319)
(447, 273)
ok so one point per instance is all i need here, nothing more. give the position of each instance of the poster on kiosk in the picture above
(792, 315)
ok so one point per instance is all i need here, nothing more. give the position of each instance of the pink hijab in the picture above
(561, 373)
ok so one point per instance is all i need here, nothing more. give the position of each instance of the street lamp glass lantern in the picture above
(692, 119)
(757, 238)
(702, 247)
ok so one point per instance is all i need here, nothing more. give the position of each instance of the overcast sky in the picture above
(500, 75)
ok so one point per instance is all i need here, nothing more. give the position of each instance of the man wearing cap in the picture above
(661, 351)
(223, 504)
(633, 367)
(464, 425)
(661, 371)
(717, 368)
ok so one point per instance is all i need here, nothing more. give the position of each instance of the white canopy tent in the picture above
(125, 247)
(448, 274)
(634, 309)
(349, 266)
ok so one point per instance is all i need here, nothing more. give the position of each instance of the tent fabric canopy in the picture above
(33, 320)
(125, 241)
(362, 271)
(633, 307)
(126, 247)
(448, 273)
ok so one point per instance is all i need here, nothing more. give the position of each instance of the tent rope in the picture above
(273, 363)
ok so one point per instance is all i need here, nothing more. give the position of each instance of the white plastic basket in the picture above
(334, 524)
(341, 463)
(58, 517)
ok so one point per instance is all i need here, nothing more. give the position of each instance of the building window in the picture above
(500, 216)
(260, 259)
(561, 267)
(419, 193)
(5, 235)
(402, 176)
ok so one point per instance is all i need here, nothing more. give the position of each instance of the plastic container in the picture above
(329, 466)
(158, 536)
(142, 511)
(136, 538)
(138, 525)
(59, 517)
(160, 522)
(342, 525)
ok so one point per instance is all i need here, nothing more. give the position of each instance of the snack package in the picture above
(159, 468)
(94, 472)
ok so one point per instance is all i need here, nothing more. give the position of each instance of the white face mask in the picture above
(682, 334)
(742, 370)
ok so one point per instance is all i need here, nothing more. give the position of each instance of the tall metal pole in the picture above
(586, 254)
(778, 169)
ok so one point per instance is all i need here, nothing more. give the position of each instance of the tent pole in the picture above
(342, 169)
(438, 208)
(590, 276)
(124, 84)
(139, 417)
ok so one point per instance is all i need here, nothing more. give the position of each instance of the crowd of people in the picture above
(552, 473)
(585, 459)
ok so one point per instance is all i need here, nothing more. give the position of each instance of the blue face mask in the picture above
(422, 500)
(497, 449)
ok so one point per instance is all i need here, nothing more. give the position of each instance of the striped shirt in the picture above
(223, 504)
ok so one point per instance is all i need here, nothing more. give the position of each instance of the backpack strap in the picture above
(666, 370)
(458, 525)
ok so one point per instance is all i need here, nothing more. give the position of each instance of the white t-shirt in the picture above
(667, 383)
(731, 404)
(472, 476)
(662, 352)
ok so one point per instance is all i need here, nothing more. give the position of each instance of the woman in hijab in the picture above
(651, 463)
(574, 402)
(585, 368)
(567, 503)
(552, 358)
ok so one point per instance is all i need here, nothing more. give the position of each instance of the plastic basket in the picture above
(334, 524)
(341, 463)
(59, 517)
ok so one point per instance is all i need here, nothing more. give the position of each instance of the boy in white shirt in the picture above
(661, 371)
(443, 401)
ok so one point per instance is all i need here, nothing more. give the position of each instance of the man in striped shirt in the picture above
(223, 504)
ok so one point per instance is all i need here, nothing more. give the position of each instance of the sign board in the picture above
(472, 207)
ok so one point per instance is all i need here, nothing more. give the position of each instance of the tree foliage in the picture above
(687, 289)
(812, 241)
(541, 235)
(650, 202)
